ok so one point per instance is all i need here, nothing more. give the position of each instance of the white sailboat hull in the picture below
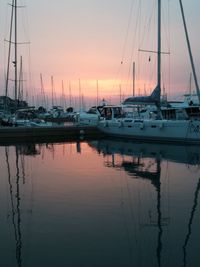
(185, 131)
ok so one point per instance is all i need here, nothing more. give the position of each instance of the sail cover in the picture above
(154, 98)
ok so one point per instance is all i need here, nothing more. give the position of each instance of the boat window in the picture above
(169, 114)
(108, 113)
(118, 112)
(92, 110)
(193, 112)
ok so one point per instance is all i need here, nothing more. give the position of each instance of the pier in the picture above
(46, 133)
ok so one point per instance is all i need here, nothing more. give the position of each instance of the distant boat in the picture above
(92, 116)
(154, 128)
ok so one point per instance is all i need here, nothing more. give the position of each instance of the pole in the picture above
(70, 95)
(52, 91)
(97, 93)
(159, 46)
(15, 62)
(190, 51)
(9, 50)
(133, 78)
(80, 94)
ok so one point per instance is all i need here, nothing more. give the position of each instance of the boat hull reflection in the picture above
(175, 153)
(144, 161)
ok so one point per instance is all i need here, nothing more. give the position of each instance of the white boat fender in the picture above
(161, 125)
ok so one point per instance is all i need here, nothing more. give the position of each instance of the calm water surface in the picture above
(99, 203)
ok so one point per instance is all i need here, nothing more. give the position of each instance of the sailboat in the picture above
(18, 102)
(185, 129)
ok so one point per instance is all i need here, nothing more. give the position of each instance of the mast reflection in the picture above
(15, 207)
(139, 164)
(14, 190)
(195, 202)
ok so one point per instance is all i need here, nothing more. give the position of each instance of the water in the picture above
(99, 203)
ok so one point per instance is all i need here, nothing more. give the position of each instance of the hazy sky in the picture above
(90, 40)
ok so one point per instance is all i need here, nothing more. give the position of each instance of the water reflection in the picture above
(15, 171)
(16, 157)
(139, 165)
(138, 169)
(15, 204)
(177, 153)
(77, 190)
(195, 202)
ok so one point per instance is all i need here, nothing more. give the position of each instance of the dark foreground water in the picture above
(101, 203)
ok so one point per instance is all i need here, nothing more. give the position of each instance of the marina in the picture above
(99, 133)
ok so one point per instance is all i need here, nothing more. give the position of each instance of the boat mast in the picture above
(97, 93)
(63, 96)
(133, 78)
(70, 95)
(15, 61)
(79, 82)
(52, 91)
(159, 47)
(44, 104)
(20, 85)
(190, 85)
(190, 51)
(9, 52)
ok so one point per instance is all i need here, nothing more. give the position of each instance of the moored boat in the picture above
(174, 124)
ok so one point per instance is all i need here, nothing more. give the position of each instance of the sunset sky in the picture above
(81, 42)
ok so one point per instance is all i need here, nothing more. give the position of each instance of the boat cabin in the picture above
(193, 112)
(111, 112)
(181, 113)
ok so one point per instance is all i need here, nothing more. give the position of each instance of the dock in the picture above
(46, 133)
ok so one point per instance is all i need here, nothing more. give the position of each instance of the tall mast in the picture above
(42, 92)
(120, 94)
(97, 92)
(15, 61)
(133, 78)
(9, 50)
(52, 91)
(20, 84)
(159, 46)
(63, 96)
(190, 51)
(80, 107)
(70, 95)
(190, 85)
